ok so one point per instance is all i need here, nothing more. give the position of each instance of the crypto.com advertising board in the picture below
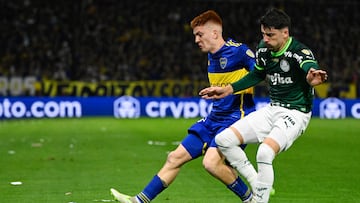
(154, 107)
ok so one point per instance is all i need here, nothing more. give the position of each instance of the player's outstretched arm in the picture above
(316, 77)
(216, 92)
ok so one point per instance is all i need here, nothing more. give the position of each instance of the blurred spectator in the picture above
(97, 40)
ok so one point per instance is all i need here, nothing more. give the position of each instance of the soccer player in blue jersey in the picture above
(292, 73)
(228, 61)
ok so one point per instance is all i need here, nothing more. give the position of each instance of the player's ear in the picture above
(285, 32)
(215, 34)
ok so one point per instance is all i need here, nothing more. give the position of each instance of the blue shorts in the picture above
(201, 135)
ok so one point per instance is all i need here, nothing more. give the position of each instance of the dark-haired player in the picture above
(292, 73)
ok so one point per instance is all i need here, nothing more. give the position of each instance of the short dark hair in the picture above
(275, 18)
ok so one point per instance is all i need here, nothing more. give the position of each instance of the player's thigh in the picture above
(289, 125)
(194, 145)
(200, 137)
(254, 127)
(179, 156)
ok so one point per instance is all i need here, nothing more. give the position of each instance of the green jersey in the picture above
(285, 71)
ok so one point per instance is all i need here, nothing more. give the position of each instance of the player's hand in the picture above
(316, 77)
(216, 92)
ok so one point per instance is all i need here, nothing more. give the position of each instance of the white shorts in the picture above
(281, 124)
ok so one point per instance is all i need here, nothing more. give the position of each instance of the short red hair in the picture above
(205, 17)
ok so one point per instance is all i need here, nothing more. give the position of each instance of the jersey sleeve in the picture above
(306, 59)
(252, 78)
(247, 57)
(256, 75)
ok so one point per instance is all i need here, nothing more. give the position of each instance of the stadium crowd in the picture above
(97, 40)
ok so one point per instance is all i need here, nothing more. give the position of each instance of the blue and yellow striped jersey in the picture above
(232, 62)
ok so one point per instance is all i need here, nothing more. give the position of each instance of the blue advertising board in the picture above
(155, 107)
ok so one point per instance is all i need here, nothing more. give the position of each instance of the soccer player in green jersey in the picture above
(292, 71)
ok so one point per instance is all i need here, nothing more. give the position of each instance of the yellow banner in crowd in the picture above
(29, 86)
(116, 88)
(164, 88)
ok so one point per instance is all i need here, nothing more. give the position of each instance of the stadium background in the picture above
(93, 54)
(109, 48)
(95, 43)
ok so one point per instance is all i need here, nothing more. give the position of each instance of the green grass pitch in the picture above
(79, 160)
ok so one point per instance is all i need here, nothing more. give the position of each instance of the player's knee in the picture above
(173, 158)
(176, 158)
(226, 139)
(213, 166)
(265, 154)
(208, 165)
